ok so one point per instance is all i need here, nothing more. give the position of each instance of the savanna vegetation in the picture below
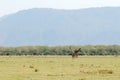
(59, 68)
(61, 50)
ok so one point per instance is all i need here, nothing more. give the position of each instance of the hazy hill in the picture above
(61, 27)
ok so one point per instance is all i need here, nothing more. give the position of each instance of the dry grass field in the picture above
(59, 68)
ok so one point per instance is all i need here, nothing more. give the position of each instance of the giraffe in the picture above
(75, 53)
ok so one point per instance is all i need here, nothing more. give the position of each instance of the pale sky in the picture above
(11, 6)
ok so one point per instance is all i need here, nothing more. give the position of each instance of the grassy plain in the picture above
(59, 68)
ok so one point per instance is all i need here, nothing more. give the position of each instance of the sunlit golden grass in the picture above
(59, 68)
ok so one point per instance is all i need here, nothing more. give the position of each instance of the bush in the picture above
(36, 70)
(105, 71)
(31, 66)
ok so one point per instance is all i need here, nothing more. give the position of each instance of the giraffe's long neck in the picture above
(76, 51)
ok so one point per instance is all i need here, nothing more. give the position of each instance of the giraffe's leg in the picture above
(73, 55)
(76, 55)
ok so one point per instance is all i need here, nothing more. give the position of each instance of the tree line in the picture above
(61, 50)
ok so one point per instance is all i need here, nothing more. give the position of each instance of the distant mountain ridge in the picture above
(61, 27)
